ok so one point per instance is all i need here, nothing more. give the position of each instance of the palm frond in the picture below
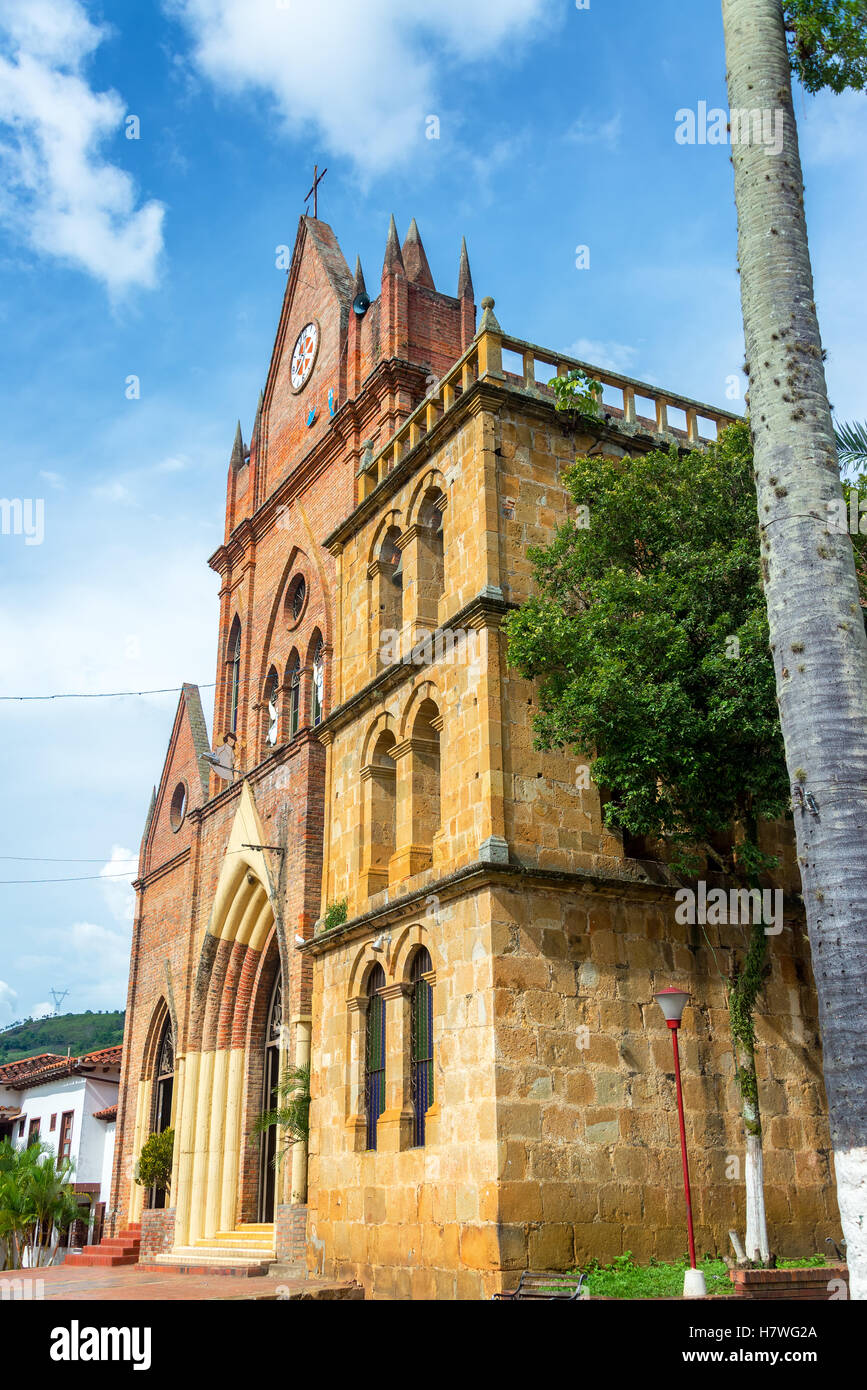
(852, 442)
(292, 1115)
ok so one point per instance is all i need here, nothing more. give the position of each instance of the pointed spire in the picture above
(393, 263)
(358, 285)
(465, 279)
(415, 260)
(237, 458)
(259, 405)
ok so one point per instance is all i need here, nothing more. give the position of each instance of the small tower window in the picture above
(234, 674)
(294, 695)
(318, 681)
(272, 700)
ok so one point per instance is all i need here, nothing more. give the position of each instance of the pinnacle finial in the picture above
(358, 285)
(414, 258)
(393, 263)
(489, 323)
(258, 418)
(237, 458)
(465, 279)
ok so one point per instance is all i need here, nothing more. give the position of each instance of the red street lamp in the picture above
(672, 1002)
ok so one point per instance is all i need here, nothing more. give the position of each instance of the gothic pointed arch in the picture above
(233, 681)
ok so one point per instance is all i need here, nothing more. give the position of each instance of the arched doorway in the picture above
(270, 1101)
(164, 1084)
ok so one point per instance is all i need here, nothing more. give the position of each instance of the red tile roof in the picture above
(33, 1071)
(109, 1113)
(26, 1066)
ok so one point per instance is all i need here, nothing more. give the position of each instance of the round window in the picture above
(296, 598)
(178, 808)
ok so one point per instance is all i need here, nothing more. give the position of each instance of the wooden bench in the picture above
(545, 1284)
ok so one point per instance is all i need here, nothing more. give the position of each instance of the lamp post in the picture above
(672, 1002)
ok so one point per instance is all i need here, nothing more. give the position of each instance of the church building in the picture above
(371, 871)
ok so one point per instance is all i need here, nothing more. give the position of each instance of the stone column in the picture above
(409, 858)
(356, 1122)
(303, 1028)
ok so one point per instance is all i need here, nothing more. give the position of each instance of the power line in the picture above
(46, 859)
(108, 694)
(81, 878)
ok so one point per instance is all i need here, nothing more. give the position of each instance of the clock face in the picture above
(304, 355)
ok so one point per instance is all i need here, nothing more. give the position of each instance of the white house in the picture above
(71, 1104)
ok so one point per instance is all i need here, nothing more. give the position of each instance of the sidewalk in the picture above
(128, 1284)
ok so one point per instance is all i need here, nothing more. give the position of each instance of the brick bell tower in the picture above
(230, 870)
(346, 371)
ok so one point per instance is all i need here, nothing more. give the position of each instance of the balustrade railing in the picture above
(636, 407)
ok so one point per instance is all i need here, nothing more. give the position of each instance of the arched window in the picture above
(272, 700)
(234, 663)
(390, 585)
(421, 1060)
(382, 816)
(294, 683)
(426, 774)
(164, 1084)
(375, 1053)
(318, 682)
(431, 555)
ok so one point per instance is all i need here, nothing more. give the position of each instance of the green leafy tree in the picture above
(810, 579)
(649, 638)
(578, 395)
(155, 1161)
(827, 41)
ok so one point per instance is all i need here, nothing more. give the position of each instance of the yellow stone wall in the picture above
(554, 1135)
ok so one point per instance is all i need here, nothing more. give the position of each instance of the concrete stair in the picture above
(122, 1249)
(250, 1249)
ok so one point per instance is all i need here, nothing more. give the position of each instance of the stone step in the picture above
(103, 1259)
(239, 1252)
(232, 1238)
(192, 1257)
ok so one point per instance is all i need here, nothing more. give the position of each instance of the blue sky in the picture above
(155, 257)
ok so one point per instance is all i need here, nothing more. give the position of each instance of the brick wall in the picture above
(290, 1229)
(157, 1233)
(296, 486)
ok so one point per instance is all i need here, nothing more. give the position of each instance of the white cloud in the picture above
(42, 1011)
(366, 75)
(616, 357)
(54, 480)
(586, 131)
(118, 892)
(111, 492)
(173, 463)
(8, 1004)
(59, 194)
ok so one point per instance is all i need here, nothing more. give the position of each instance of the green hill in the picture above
(78, 1033)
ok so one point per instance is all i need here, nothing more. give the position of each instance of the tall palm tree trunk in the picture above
(817, 632)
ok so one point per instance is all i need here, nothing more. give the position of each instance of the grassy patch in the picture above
(623, 1278)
